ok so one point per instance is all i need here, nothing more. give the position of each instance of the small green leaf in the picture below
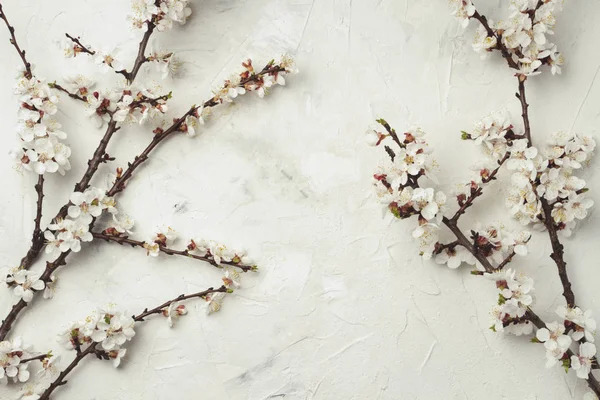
(465, 135)
(535, 340)
(394, 209)
(493, 328)
(501, 299)
(566, 363)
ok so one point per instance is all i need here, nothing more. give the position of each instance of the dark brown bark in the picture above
(558, 253)
(524, 111)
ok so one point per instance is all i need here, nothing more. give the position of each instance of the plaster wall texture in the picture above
(343, 307)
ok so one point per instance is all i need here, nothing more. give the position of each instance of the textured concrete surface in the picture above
(343, 307)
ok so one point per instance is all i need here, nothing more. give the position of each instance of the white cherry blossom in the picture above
(26, 283)
(582, 363)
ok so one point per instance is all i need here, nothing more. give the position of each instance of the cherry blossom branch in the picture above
(172, 252)
(557, 248)
(13, 41)
(161, 135)
(159, 309)
(539, 193)
(37, 239)
(120, 183)
(592, 382)
(98, 157)
(93, 349)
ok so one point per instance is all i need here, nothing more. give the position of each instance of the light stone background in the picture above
(343, 307)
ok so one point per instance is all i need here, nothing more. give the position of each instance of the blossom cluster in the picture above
(67, 234)
(192, 123)
(218, 252)
(396, 185)
(515, 297)
(25, 282)
(12, 354)
(497, 243)
(162, 13)
(109, 328)
(127, 105)
(494, 242)
(577, 326)
(166, 63)
(524, 34)
(249, 80)
(40, 148)
(537, 175)
(492, 133)
(463, 10)
(550, 177)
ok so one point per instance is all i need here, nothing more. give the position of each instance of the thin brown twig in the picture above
(82, 48)
(172, 252)
(506, 261)
(13, 41)
(36, 358)
(479, 191)
(75, 96)
(593, 383)
(159, 309)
